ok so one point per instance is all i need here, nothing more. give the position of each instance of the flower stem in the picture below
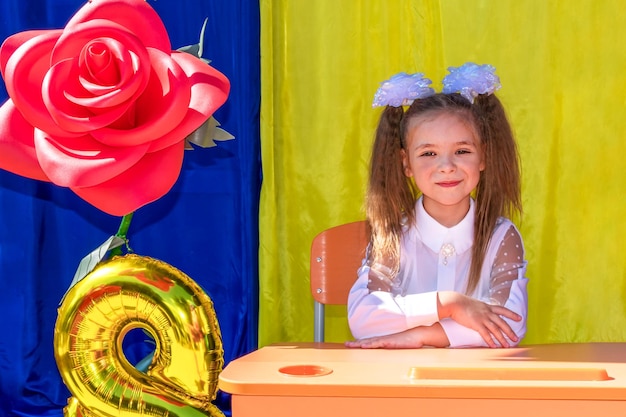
(121, 233)
(124, 225)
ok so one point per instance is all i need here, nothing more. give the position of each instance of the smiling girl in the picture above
(443, 268)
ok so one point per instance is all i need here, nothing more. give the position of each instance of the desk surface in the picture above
(594, 371)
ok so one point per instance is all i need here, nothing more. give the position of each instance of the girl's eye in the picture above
(429, 153)
(463, 151)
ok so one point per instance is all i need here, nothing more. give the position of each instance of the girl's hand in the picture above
(417, 337)
(484, 318)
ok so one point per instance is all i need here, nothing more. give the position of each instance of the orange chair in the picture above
(336, 255)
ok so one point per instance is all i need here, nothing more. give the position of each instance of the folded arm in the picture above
(378, 318)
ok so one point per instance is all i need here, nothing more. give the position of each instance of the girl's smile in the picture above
(448, 183)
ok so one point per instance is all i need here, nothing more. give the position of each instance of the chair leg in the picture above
(318, 322)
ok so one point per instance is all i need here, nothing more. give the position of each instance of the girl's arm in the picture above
(506, 286)
(472, 322)
(466, 321)
(477, 319)
(376, 313)
(411, 321)
(417, 337)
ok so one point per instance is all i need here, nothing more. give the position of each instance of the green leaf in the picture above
(89, 262)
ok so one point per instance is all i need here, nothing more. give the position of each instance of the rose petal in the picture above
(13, 42)
(17, 149)
(71, 43)
(209, 90)
(114, 81)
(83, 161)
(136, 15)
(67, 111)
(159, 109)
(78, 100)
(148, 180)
(24, 72)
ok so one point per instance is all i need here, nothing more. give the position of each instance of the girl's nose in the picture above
(446, 164)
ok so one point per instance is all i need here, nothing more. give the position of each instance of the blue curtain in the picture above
(205, 226)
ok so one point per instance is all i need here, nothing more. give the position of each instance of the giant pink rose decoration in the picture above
(103, 106)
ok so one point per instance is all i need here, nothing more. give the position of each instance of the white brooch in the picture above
(446, 251)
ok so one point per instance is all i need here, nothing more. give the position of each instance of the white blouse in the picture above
(437, 258)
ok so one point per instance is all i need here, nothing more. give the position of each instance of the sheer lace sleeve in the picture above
(508, 262)
(379, 278)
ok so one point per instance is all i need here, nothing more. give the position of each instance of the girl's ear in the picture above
(406, 166)
(482, 165)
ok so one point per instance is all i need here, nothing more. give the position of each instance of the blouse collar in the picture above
(435, 235)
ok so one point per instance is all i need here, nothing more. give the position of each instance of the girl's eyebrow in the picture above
(466, 142)
(424, 145)
(459, 143)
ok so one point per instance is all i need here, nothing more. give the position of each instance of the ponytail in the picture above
(499, 191)
(390, 195)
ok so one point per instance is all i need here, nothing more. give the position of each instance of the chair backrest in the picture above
(336, 255)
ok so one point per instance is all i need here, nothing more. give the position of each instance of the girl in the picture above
(444, 267)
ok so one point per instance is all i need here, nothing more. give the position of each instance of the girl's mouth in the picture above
(448, 184)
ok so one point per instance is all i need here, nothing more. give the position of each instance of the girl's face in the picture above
(444, 158)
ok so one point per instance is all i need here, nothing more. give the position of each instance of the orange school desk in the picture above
(327, 379)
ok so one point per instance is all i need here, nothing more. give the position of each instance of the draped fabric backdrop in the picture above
(563, 70)
(563, 85)
(205, 226)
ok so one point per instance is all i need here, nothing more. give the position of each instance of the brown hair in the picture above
(391, 195)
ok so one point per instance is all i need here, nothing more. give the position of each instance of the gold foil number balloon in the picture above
(135, 292)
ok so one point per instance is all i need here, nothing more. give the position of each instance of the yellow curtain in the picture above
(564, 85)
